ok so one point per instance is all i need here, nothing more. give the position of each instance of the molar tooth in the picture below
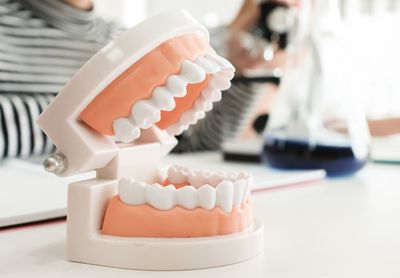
(176, 85)
(132, 192)
(208, 65)
(145, 114)
(212, 94)
(192, 72)
(206, 196)
(163, 99)
(125, 131)
(220, 83)
(161, 197)
(175, 129)
(240, 187)
(224, 192)
(187, 197)
(228, 74)
(196, 179)
(176, 175)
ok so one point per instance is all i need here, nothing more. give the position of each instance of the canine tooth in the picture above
(208, 65)
(206, 196)
(187, 197)
(163, 98)
(239, 191)
(145, 114)
(196, 179)
(176, 175)
(161, 197)
(132, 192)
(176, 85)
(212, 94)
(192, 72)
(125, 131)
(224, 194)
(220, 83)
(222, 62)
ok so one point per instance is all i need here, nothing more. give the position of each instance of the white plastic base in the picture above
(87, 201)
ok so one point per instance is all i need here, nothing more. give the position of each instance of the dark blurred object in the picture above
(260, 123)
(275, 23)
(257, 79)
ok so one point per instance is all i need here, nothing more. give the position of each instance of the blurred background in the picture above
(371, 28)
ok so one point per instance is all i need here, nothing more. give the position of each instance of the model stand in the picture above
(118, 115)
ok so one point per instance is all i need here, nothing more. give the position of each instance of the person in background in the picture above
(44, 42)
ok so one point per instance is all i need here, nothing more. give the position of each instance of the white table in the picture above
(347, 227)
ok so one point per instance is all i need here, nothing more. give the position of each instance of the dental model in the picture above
(118, 116)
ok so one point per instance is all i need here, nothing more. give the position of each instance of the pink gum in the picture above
(139, 81)
(145, 221)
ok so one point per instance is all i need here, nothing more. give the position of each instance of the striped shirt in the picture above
(42, 44)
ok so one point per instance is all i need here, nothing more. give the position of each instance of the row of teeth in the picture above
(227, 192)
(145, 113)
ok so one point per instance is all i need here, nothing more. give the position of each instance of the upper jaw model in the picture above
(118, 115)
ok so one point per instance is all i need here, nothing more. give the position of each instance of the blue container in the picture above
(293, 154)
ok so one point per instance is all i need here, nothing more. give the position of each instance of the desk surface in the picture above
(347, 227)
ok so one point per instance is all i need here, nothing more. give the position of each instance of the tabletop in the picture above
(341, 227)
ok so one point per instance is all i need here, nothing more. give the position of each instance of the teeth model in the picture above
(200, 190)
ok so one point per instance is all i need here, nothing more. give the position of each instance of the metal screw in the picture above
(55, 163)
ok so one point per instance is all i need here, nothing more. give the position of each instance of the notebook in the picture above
(29, 194)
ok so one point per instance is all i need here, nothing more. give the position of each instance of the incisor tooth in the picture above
(187, 197)
(145, 114)
(206, 196)
(224, 192)
(163, 99)
(176, 85)
(132, 192)
(125, 131)
(192, 72)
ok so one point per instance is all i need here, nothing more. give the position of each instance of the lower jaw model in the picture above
(118, 115)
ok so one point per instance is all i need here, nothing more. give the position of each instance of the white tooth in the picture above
(203, 104)
(220, 83)
(192, 72)
(125, 131)
(163, 99)
(206, 196)
(161, 197)
(188, 117)
(225, 195)
(208, 65)
(228, 74)
(212, 94)
(145, 114)
(176, 85)
(196, 179)
(216, 178)
(222, 62)
(132, 192)
(232, 176)
(243, 175)
(240, 187)
(187, 197)
(200, 115)
(175, 129)
(176, 175)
